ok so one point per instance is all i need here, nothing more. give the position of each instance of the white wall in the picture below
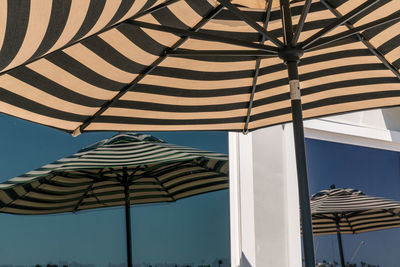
(264, 199)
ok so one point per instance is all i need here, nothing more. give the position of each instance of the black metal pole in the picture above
(291, 55)
(128, 220)
(339, 237)
(302, 176)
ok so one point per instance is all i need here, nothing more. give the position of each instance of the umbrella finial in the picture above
(333, 186)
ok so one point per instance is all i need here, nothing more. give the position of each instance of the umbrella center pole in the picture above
(301, 164)
(128, 222)
(339, 238)
(291, 56)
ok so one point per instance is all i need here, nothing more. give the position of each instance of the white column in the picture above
(241, 200)
(265, 224)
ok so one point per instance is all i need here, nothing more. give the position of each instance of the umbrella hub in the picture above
(292, 54)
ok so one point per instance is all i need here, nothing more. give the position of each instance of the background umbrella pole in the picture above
(128, 220)
(302, 176)
(339, 238)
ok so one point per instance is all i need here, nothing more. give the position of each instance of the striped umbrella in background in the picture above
(349, 211)
(123, 170)
(161, 65)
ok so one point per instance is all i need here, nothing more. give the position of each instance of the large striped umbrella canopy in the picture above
(123, 170)
(349, 211)
(90, 65)
(148, 65)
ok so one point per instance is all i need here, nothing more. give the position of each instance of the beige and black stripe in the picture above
(190, 64)
(93, 177)
(352, 212)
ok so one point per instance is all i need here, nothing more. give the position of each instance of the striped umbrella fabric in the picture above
(349, 211)
(95, 177)
(148, 65)
(355, 212)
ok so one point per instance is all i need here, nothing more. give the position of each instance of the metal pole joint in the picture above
(289, 53)
(291, 58)
(295, 92)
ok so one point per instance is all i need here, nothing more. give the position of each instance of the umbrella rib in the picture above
(213, 53)
(164, 188)
(22, 196)
(110, 202)
(341, 20)
(148, 70)
(165, 170)
(119, 176)
(82, 198)
(114, 190)
(391, 212)
(362, 39)
(323, 216)
(257, 69)
(348, 222)
(202, 36)
(302, 20)
(146, 12)
(356, 30)
(98, 200)
(112, 171)
(251, 22)
(133, 172)
(81, 174)
(208, 184)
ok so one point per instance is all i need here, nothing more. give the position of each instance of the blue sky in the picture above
(188, 231)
